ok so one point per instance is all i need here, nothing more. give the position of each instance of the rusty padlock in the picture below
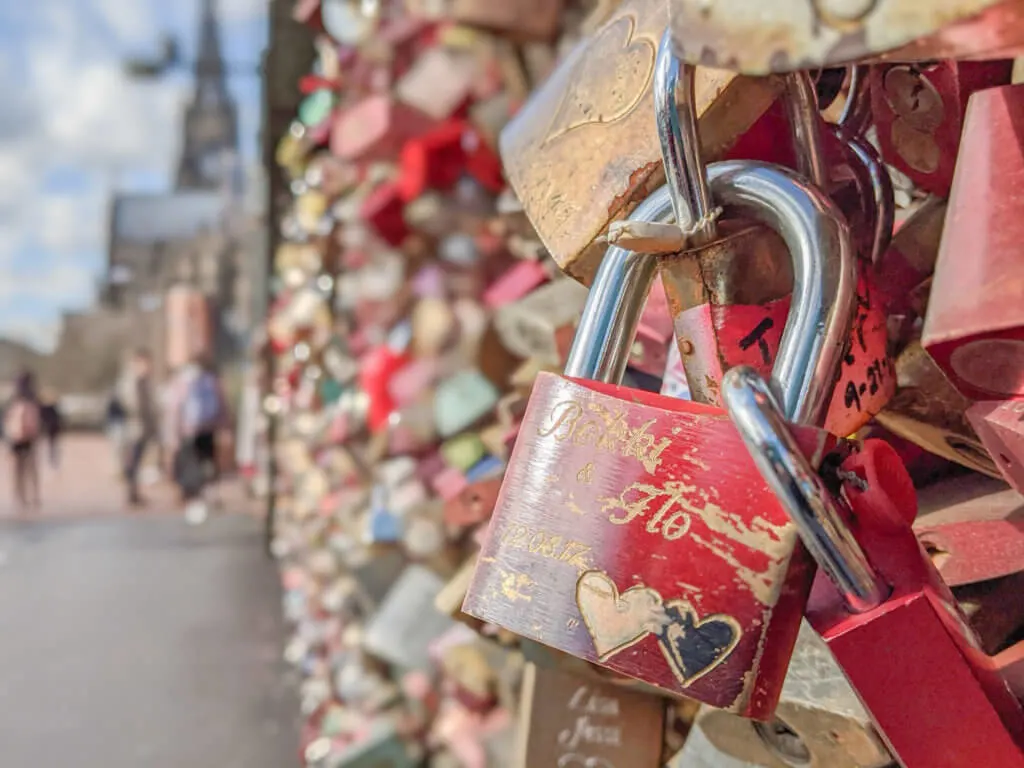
(730, 296)
(583, 151)
(624, 533)
(974, 327)
(890, 621)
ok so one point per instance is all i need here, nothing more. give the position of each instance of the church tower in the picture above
(210, 146)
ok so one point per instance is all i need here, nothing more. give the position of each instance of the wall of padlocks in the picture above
(524, 524)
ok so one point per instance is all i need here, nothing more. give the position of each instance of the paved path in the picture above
(133, 641)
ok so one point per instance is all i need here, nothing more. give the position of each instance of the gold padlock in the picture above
(756, 38)
(584, 151)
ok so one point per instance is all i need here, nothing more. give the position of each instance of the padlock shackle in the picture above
(607, 329)
(820, 517)
(883, 200)
(824, 285)
(680, 142)
(856, 114)
(805, 125)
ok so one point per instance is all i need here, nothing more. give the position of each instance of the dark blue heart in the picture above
(693, 647)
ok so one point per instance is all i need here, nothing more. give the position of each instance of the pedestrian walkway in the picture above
(136, 640)
(87, 483)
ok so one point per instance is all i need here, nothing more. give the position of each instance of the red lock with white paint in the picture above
(631, 529)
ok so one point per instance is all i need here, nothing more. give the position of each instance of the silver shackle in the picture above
(824, 283)
(820, 517)
(813, 229)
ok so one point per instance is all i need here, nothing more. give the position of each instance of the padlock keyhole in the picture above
(784, 743)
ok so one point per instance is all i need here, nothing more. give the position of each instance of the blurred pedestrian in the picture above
(196, 411)
(137, 398)
(21, 431)
(52, 425)
(114, 424)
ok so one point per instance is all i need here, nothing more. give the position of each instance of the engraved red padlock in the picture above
(731, 297)
(625, 532)
(919, 113)
(892, 624)
(974, 326)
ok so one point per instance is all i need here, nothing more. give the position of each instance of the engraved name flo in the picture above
(606, 430)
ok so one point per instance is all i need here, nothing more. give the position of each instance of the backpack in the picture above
(201, 409)
(21, 421)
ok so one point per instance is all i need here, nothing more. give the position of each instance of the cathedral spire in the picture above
(210, 131)
(209, 72)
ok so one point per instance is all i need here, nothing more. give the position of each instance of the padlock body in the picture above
(974, 327)
(634, 531)
(730, 301)
(584, 150)
(1001, 429)
(929, 412)
(919, 113)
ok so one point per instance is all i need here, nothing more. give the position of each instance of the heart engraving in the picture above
(605, 88)
(693, 647)
(614, 621)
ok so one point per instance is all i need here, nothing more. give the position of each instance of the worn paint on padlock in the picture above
(919, 113)
(748, 36)
(584, 150)
(974, 328)
(634, 531)
(730, 302)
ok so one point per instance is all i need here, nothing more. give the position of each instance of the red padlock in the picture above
(383, 209)
(624, 532)
(1000, 425)
(974, 327)
(890, 621)
(919, 113)
(730, 298)
(375, 128)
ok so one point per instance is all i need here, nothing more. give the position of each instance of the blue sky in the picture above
(73, 128)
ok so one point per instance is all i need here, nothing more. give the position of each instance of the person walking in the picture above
(52, 426)
(196, 411)
(21, 431)
(136, 397)
(114, 423)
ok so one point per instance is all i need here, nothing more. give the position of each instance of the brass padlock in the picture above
(584, 151)
(756, 38)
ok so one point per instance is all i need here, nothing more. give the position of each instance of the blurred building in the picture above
(201, 235)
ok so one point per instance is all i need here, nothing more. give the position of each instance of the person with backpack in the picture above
(196, 411)
(22, 426)
(135, 394)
